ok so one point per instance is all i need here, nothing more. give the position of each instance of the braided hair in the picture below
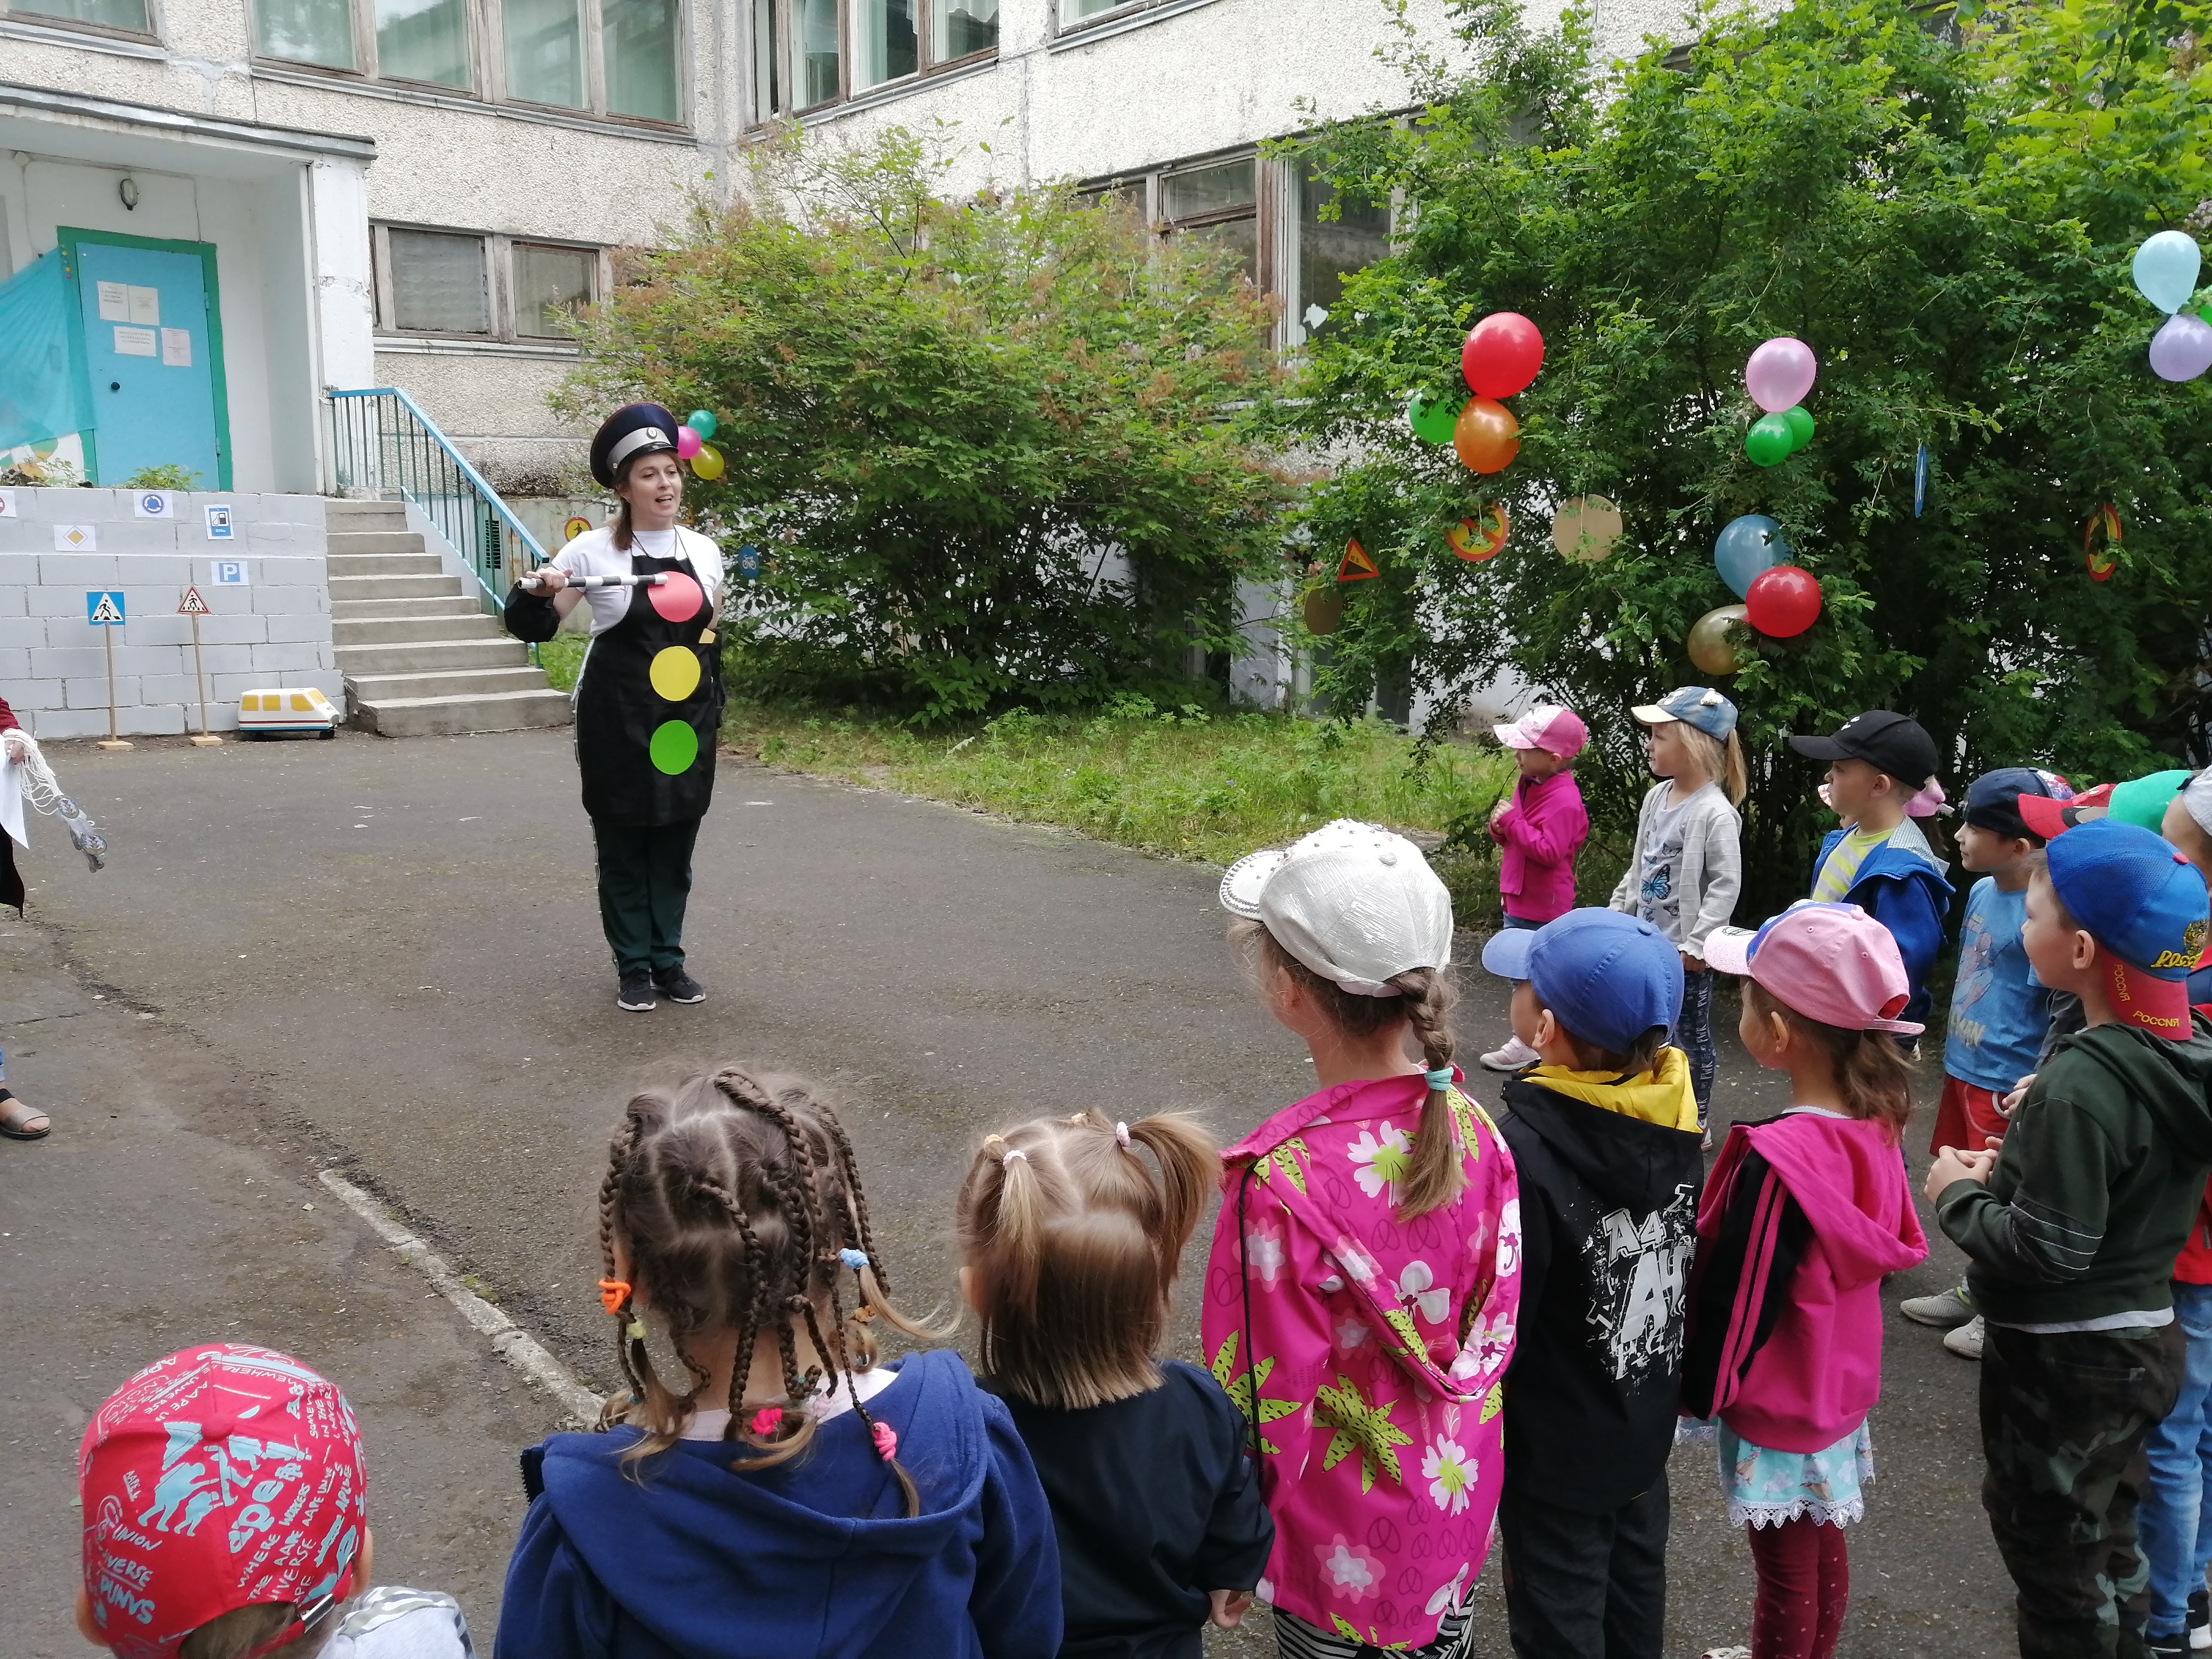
(736, 1199)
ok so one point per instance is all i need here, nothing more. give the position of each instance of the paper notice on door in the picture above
(134, 341)
(177, 347)
(146, 306)
(114, 302)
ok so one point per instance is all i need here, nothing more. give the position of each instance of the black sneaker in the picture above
(2200, 1621)
(678, 986)
(2167, 1647)
(636, 995)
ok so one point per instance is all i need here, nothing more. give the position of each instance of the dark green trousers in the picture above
(645, 881)
(2063, 1421)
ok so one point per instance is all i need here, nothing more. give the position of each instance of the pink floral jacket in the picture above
(1366, 1355)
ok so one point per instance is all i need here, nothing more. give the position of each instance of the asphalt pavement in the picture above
(385, 958)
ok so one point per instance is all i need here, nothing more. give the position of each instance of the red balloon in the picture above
(1502, 355)
(1783, 601)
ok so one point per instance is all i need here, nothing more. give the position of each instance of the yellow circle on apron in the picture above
(675, 672)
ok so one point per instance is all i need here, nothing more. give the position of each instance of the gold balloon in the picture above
(1323, 610)
(1709, 647)
(1585, 528)
(707, 463)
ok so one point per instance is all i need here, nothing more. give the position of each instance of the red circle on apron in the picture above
(678, 598)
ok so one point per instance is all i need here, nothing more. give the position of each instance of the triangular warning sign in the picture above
(193, 604)
(1358, 566)
(104, 614)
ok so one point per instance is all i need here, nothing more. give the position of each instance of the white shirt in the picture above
(832, 1401)
(594, 554)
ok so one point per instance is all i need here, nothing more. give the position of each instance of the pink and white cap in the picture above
(1551, 726)
(1831, 963)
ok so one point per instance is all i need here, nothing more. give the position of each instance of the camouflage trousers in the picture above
(2064, 1418)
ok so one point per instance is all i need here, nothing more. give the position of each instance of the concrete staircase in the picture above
(422, 658)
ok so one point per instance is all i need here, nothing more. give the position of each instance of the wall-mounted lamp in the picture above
(128, 190)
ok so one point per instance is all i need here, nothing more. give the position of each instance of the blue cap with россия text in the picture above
(2145, 905)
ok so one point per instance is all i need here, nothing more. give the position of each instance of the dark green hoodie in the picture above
(2100, 1178)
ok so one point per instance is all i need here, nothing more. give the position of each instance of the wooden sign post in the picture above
(104, 610)
(194, 606)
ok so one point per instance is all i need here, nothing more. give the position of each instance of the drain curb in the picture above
(508, 1340)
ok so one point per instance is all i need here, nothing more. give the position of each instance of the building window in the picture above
(807, 54)
(1331, 249)
(1219, 204)
(470, 285)
(614, 58)
(125, 16)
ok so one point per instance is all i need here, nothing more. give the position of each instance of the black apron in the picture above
(649, 709)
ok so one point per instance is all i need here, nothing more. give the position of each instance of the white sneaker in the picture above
(1944, 1310)
(1511, 1056)
(1967, 1340)
(1727, 1653)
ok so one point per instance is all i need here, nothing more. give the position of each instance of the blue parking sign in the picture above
(103, 609)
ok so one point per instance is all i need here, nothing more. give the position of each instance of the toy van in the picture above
(287, 708)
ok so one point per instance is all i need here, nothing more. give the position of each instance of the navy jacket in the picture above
(680, 1558)
(1903, 890)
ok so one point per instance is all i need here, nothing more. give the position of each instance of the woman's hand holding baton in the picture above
(551, 580)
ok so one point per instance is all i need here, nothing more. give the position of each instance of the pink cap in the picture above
(1551, 726)
(1831, 963)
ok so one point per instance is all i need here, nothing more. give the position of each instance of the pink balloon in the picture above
(2182, 349)
(687, 443)
(1780, 373)
(678, 599)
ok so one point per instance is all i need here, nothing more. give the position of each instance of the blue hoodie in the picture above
(679, 1557)
(1901, 886)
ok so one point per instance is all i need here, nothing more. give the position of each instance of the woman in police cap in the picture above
(648, 697)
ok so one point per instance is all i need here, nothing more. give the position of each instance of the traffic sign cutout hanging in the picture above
(103, 609)
(1358, 564)
(193, 604)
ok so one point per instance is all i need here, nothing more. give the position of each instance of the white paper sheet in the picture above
(177, 347)
(11, 802)
(134, 341)
(114, 302)
(146, 306)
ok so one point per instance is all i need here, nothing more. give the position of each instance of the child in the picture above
(2073, 1228)
(1878, 763)
(1072, 1242)
(1998, 1012)
(1360, 1294)
(1803, 1215)
(1689, 860)
(1540, 830)
(787, 1494)
(1604, 1138)
(223, 1500)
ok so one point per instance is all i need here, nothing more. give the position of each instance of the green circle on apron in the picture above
(675, 746)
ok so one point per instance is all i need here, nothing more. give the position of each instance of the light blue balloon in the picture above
(2165, 270)
(1746, 547)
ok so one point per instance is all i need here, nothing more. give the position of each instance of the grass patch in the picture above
(561, 657)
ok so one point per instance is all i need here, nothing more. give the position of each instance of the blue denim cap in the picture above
(1608, 976)
(1693, 705)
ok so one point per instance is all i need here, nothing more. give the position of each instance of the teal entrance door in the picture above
(153, 356)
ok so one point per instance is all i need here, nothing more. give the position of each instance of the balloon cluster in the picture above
(1500, 357)
(691, 445)
(1778, 375)
(2166, 271)
(1780, 600)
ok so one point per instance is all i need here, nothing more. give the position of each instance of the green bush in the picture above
(162, 477)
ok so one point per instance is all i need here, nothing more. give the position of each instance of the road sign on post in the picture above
(103, 609)
(194, 606)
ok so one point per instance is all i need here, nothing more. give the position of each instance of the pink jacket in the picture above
(1540, 833)
(1818, 1371)
(1372, 1352)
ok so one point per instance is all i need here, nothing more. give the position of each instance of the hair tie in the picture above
(886, 1439)
(767, 1421)
(854, 1259)
(1010, 1154)
(613, 1292)
(1122, 1133)
(635, 1330)
(1439, 1079)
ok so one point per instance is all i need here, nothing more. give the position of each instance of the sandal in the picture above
(14, 1115)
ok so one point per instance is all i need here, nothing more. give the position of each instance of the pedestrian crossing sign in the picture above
(103, 609)
(193, 604)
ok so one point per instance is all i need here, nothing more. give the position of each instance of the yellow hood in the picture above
(1662, 1095)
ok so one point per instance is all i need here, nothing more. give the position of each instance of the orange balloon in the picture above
(1486, 435)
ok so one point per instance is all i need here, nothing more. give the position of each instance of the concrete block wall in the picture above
(274, 630)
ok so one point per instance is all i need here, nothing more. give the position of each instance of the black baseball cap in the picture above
(1993, 800)
(1889, 742)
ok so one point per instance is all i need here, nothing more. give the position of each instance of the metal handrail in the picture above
(381, 440)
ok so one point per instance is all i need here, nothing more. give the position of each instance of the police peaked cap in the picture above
(633, 430)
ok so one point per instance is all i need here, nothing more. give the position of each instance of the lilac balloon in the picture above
(2182, 350)
(1780, 373)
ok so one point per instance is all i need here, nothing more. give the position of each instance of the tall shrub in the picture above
(981, 444)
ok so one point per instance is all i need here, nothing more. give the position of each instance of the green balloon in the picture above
(701, 421)
(1432, 418)
(1801, 426)
(1768, 442)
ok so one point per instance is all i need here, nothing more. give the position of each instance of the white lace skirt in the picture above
(1765, 1488)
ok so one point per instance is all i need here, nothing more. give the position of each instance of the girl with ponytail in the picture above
(1072, 1231)
(1361, 1295)
(778, 1489)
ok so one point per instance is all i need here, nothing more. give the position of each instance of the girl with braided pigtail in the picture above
(1361, 1296)
(791, 1494)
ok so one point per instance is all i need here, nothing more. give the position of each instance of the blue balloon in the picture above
(1746, 547)
(2165, 270)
